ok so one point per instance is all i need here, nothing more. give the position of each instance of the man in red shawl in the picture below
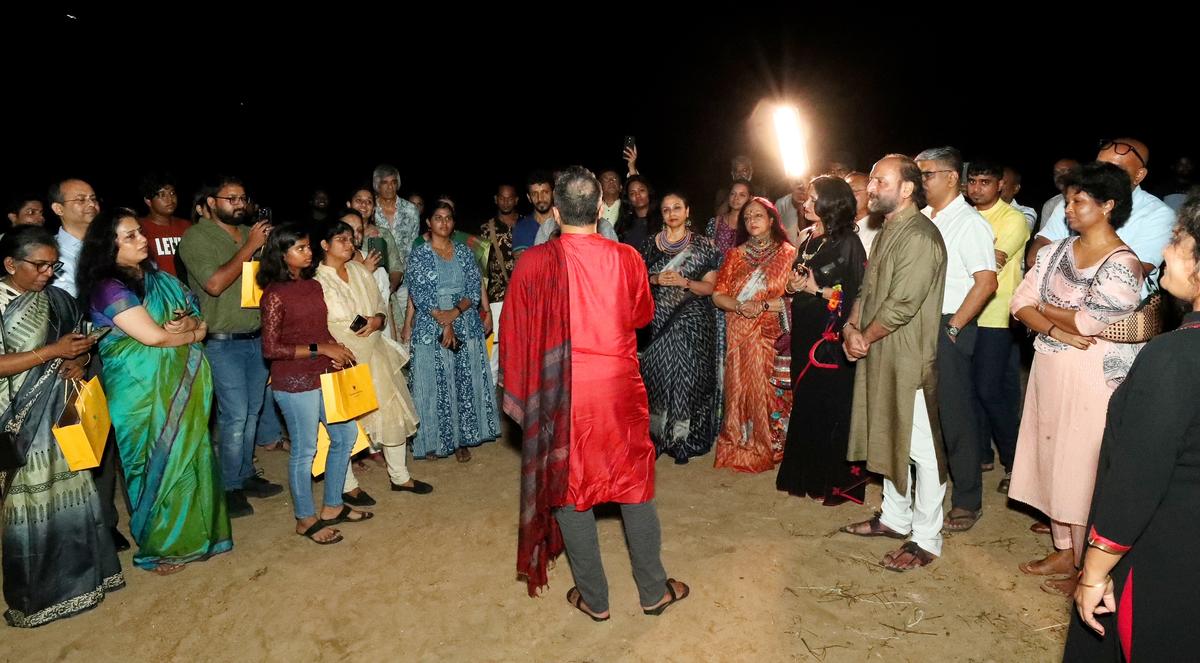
(572, 381)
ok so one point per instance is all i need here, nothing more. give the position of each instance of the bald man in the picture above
(1149, 227)
(868, 223)
(1062, 168)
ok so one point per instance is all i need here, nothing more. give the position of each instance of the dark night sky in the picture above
(290, 101)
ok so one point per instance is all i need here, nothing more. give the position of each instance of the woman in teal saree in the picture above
(159, 390)
(58, 555)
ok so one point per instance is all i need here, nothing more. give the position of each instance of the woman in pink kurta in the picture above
(1093, 280)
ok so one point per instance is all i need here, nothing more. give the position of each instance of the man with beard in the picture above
(160, 226)
(213, 251)
(892, 331)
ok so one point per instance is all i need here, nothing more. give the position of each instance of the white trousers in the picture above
(495, 307)
(397, 467)
(924, 516)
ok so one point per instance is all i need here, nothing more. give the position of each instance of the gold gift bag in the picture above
(348, 393)
(251, 293)
(82, 429)
(318, 467)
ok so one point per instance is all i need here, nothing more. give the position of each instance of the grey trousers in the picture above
(642, 535)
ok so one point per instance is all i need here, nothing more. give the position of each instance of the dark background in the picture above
(466, 97)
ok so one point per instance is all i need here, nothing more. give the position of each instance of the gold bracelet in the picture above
(39, 356)
(1102, 583)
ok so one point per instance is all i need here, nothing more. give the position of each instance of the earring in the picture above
(688, 223)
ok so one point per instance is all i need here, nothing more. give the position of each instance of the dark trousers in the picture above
(998, 391)
(642, 535)
(105, 477)
(956, 406)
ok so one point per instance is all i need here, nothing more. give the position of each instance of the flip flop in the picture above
(578, 603)
(311, 532)
(876, 528)
(674, 597)
(344, 517)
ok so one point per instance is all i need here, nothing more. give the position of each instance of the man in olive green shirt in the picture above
(213, 251)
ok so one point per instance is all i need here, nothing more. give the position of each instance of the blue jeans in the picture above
(270, 428)
(240, 385)
(302, 411)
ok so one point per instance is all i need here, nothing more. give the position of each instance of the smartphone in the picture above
(630, 142)
(358, 323)
(99, 332)
(263, 214)
(377, 244)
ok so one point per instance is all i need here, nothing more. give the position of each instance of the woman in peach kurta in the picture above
(750, 289)
(1086, 283)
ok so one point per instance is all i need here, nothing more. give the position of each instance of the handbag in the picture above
(1145, 322)
(82, 428)
(319, 460)
(348, 393)
(251, 293)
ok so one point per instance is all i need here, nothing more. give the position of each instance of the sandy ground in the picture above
(431, 578)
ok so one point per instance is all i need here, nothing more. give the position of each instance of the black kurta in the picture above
(814, 459)
(1147, 497)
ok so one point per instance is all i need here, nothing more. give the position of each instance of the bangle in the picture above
(687, 283)
(1102, 583)
(1050, 331)
(39, 356)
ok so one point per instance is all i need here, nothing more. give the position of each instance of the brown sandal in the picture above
(963, 521)
(873, 528)
(1059, 562)
(918, 554)
(1064, 587)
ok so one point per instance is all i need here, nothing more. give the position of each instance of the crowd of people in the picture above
(865, 324)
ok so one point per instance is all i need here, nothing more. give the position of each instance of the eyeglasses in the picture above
(233, 200)
(44, 267)
(1122, 149)
(927, 175)
(83, 200)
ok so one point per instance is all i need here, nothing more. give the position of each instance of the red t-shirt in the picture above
(163, 240)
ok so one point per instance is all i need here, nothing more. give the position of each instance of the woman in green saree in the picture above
(58, 555)
(159, 388)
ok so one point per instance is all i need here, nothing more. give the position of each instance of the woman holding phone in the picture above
(160, 395)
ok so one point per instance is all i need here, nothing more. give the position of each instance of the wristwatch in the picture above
(312, 350)
(952, 331)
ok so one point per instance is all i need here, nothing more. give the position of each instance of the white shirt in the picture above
(611, 214)
(546, 231)
(970, 248)
(68, 253)
(1031, 216)
(866, 234)
(790, 217)
(1050, 207)
(1147, 231)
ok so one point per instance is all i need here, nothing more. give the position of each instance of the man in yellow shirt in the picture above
(997, 380)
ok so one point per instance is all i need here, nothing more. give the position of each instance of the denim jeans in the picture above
(240, 385)
(302, 411)
(270, 428)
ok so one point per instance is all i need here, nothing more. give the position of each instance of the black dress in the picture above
(814, 458)
(1146, 499)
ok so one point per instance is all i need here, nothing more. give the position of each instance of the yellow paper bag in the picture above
(348, 393)
(251, 293)
(318, 467)
(82, 429)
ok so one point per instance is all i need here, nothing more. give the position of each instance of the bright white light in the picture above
(793, 149)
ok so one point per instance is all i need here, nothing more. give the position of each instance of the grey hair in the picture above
(946, 155)
(382, 171)
(577, 196)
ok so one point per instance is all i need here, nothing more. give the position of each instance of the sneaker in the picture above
(259, 487)
(237, 505)
(1003, 487)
